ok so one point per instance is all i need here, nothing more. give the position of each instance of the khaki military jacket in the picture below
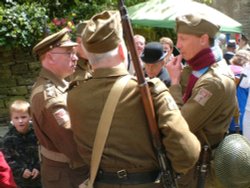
(128, 145)
(50, 116)
(83, 71)
(211, 106)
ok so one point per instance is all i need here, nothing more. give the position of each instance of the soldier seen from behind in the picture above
(21, 148)
(128, 158)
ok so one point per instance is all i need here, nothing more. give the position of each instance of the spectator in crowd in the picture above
(221, 40)
(243, 43)
(6, 176)
(245, 83)
(218, 47)
(61, 164)
(153, 57)
(21, 148)
(83, 69)
(168, 47)
(230, 50)
(209, 100)
(128, 158)
(240, 59)
(140, 43)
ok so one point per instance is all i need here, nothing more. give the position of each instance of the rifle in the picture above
(167, 174)
(203, 166)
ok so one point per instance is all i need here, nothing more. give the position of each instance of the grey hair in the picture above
(95, 58)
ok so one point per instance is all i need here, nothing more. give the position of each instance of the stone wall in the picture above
(238, 10)
(18, 70)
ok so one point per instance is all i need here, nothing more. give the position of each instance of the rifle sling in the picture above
(104, 125)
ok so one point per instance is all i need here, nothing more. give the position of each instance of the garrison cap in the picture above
(196, 24)
(103, 32)
(59, 39)
(153, 53)
(80, 27)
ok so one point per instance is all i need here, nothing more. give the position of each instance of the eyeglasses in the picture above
(71, 54)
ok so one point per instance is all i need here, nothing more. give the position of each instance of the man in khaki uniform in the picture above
(128, 159)
(83, 69)
(61, 164)
(208, 102)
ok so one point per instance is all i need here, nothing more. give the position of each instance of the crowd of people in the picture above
(86, 125)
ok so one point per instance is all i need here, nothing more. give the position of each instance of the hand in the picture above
(35, 173)
(26, 173)
(174, 68)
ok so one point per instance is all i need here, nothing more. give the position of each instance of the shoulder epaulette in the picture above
(49, 90)
(156, 86)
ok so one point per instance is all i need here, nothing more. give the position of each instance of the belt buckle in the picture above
(122, 174)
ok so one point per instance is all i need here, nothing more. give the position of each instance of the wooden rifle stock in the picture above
(167, 177)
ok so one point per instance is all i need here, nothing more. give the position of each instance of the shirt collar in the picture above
(61, 84)
(109, 72)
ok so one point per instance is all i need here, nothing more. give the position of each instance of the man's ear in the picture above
(49, 57)
(204, 39)
(121, 51)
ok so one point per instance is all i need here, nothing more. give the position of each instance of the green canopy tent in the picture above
(162, 13)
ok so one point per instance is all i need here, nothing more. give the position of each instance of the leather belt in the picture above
(54, 156)
(123, 177)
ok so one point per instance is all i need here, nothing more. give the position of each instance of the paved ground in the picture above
(3, 130)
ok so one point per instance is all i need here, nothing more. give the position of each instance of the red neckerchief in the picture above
(204, 58)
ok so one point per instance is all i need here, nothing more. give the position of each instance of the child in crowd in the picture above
(20, 147)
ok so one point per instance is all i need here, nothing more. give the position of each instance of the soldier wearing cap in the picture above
(61, 164)
(83, 69)
(153, 57)
(128, 159)
(208, 102)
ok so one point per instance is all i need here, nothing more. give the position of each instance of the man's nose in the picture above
(74, 57)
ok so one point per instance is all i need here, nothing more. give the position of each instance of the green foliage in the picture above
(25, 22)
(21, 25)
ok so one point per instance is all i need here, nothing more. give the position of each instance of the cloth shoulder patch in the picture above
(156, 86)
(61, 116)
(49, 91)
(202, 96)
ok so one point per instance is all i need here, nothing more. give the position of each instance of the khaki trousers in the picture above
(57, 174)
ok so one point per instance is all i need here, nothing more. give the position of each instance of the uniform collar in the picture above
(109, 72)
(61, 84)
